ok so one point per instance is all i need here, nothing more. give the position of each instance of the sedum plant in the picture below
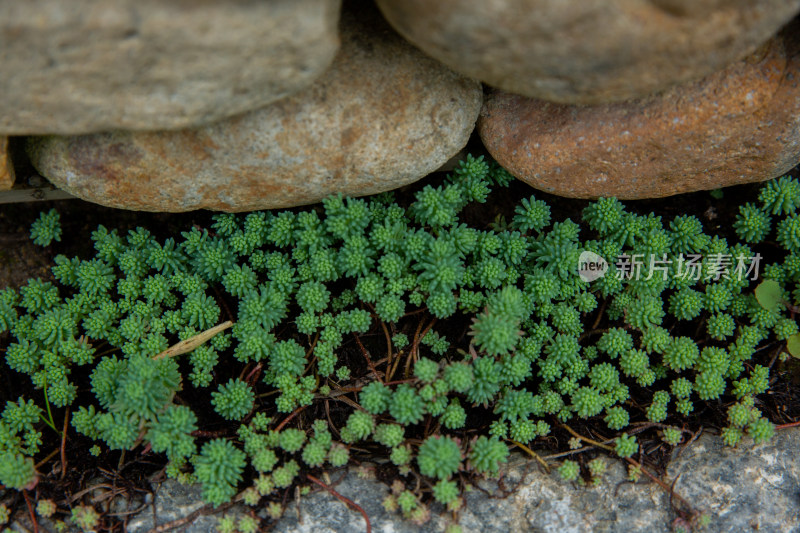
(265, 323)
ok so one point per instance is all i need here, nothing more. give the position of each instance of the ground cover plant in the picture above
(257, 352)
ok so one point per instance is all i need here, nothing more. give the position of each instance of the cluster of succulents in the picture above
(306, 290)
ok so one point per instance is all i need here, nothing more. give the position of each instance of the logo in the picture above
(591, 266)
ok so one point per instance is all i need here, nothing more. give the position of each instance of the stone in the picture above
(319, 512)
(96, 65)
(175, 502)
(6, 168)
(384, 115)
(739, 125)
(750, 488)
(587, 52)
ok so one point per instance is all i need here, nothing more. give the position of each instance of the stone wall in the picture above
(238, 105)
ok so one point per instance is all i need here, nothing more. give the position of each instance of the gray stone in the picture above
(750, 488)
(382, 116)
(94, 65)
(322, 513)
(174, 501)
(587, 52)
(534, 501)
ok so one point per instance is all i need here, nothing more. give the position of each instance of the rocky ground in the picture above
(750, 488)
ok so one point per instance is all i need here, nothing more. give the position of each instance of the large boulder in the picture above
(736, 126)
(587, 51)
(92, 65)
(383, 116)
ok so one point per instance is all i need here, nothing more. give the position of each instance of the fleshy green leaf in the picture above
(768, 294)
(793, 345)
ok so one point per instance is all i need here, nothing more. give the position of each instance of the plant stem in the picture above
(532, 454)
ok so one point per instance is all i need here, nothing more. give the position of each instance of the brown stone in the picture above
(84, 66)
(739, 125)
(6, 168)
(587, 52)
(384, 115)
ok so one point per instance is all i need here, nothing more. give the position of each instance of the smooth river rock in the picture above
(92, 65)
(587, 51)
(736, 126)
(383, 116)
